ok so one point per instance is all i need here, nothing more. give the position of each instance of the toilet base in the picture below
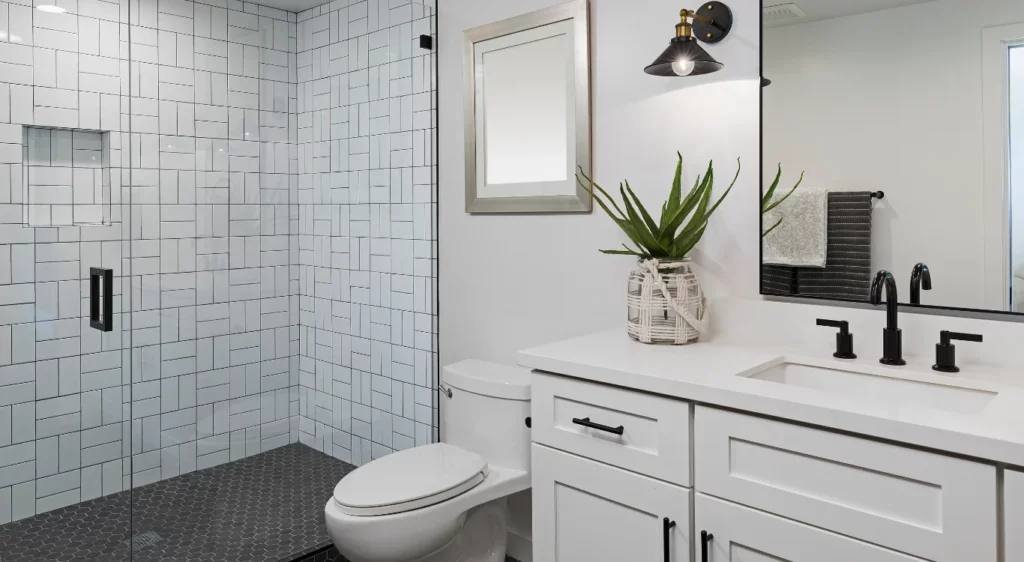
(483, 538)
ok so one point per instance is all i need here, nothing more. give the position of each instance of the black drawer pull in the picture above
(705, 538)
(106, 322)
(585, 422)
(667, 525)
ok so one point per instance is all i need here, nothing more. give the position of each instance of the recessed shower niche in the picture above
(66, 177)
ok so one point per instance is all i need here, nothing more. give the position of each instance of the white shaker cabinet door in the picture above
(1013, 523)
(742, 534)
(586, 511)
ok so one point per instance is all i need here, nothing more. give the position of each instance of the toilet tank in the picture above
(487, 411)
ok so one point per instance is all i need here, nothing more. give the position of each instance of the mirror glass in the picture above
(906, 119)
(524, 95)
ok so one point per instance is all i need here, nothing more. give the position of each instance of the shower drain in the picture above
(149, 538)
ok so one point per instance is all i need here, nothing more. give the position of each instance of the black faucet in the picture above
(920, 278)
(892, 336)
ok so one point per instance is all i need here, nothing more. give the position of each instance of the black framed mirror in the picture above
(906, 120)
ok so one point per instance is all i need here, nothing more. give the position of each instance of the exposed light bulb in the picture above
(51, 8)
(682, 67)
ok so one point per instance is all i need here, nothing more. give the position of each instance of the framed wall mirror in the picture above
(527, 112)
(906, 119)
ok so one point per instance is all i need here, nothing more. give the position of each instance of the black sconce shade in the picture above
(681, 53)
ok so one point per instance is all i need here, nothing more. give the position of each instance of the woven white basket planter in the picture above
(665, 303)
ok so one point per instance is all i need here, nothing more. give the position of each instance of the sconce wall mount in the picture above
(684, 56)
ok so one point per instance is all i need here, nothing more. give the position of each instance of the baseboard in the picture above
(519, 548)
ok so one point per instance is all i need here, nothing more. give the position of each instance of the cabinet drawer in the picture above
(655, 437)
(741, 534)
(585, 511)
(928, 505)
(1013, 523)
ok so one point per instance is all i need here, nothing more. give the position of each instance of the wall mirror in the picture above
(527, 112)
(906, 118)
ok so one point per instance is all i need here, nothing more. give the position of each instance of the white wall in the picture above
(892, 101)
(509, 282)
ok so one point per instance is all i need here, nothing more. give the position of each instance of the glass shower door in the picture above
(64, 365)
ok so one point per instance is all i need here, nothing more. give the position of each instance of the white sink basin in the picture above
(878, 388)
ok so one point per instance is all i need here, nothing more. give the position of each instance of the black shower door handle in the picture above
(103, 322)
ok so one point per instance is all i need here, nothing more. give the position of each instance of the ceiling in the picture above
(817, 10)
(292, 5)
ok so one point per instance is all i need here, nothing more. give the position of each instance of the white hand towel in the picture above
(802, 238)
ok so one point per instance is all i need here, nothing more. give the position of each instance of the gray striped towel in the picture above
(847, 271)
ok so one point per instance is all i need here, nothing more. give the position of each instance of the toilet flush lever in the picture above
(445, 390)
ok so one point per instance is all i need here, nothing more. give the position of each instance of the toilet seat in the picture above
(409, 479)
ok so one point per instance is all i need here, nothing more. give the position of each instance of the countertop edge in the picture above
(937, 439)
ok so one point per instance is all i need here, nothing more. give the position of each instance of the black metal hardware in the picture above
(426, 42)
(892, 337)
(666, 527)
(765, 82)
(878, 195)
(705, 538)
(712, 22)
(920, 278)
(585, 422)
(945, 351)
(844, 339)
(529, 422)
(106, 323)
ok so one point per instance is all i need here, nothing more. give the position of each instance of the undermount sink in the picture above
(878, 388)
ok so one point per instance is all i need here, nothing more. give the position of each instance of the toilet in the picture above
(445, 501)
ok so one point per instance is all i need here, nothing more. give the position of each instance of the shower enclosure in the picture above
(217, 269)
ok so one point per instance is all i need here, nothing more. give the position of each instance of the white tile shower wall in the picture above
(204, 367)
(367, 238)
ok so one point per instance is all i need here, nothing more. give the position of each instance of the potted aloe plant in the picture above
(665, 302)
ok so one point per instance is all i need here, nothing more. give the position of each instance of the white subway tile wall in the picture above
(280, 240)
(367, 237)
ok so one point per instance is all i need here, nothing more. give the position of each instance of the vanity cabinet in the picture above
(649, 434)
(742, 534)
(1013, 518)
(933, 506)
(586, 511)
(767, 490)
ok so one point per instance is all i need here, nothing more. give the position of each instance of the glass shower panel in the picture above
(64, 378)
(214, 321)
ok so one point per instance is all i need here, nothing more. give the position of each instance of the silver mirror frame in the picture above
(579, 12)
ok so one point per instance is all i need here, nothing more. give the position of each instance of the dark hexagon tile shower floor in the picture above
(265, 508)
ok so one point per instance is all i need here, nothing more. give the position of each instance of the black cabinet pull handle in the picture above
(667, 534)
(106, 323)
(705, 538)
(585, 422)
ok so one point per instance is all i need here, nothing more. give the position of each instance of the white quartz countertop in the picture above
(717, 374)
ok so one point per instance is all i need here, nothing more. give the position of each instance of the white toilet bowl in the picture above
(445, 501)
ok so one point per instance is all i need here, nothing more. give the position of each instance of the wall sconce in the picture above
(684, 57)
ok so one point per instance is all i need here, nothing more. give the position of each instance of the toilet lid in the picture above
(409, 479)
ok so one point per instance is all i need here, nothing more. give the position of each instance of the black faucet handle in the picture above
(945, 351)
(844, 339)
(945, 336)
(843, 325)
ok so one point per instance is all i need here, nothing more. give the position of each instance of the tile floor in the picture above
(265, 508)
